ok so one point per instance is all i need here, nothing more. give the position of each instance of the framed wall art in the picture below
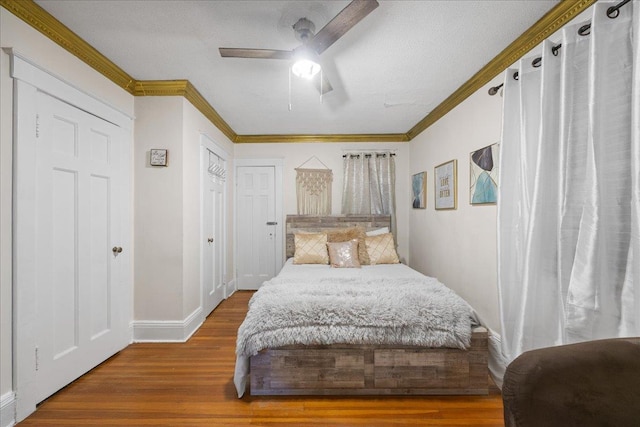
(158, 157)
(483, 175)
(446, 186)
(419, 190)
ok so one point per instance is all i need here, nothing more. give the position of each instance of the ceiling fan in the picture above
(313, 44)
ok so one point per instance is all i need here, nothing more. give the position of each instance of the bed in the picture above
(381, 329)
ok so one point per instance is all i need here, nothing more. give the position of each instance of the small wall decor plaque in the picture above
(158, 157)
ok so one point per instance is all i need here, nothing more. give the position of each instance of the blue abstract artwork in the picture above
(483, 175)
(419, 190)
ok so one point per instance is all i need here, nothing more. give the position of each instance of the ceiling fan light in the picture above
(305, 68)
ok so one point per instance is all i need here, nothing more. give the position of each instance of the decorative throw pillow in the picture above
(311, 248)
(382, 249)
(346, 234)
(344, 254)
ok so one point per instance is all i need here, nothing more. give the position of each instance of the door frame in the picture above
(278, 165)
(208, 143)
(29, 79)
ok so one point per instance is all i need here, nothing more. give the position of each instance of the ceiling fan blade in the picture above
(326, 85)
(341, 23)
(227, 52)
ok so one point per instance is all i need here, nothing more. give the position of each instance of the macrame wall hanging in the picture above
(313, 189)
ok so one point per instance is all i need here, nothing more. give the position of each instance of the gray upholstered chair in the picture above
(595, 383)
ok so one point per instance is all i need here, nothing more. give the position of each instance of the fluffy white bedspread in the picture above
(416, 311)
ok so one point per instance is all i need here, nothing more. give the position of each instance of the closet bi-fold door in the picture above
(213, 228)
(78, 202)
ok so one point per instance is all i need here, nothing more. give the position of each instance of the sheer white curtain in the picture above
(369, 185)
(569, 204)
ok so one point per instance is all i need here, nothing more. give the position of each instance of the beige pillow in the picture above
(311, 248)
(346, 234)
(344, 254)
(381, 249)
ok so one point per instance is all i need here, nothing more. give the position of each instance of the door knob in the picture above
(116, 250)
(210, 240)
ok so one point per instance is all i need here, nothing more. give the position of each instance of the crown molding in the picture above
(55, 30)
(557, 17)
(160, 87)
(42, 21)
(380, 137)
(201, 104)
(186, 89)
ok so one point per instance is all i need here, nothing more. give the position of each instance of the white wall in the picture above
(459, 246)
(294, 154)
(16, 34)
(6, 150)
(158, 215)
(167, 208)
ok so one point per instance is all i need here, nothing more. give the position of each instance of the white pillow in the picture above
(344, 254)
(379, 231)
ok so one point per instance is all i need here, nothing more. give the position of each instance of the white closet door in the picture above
(79, 202)
(256, 215)
(213, 238)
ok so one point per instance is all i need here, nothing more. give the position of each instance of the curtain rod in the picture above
(356, 150)
(344, 156)
(585, 30)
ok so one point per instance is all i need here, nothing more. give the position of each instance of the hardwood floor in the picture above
(190, 384)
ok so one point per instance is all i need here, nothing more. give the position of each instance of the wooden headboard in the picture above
(296, 223)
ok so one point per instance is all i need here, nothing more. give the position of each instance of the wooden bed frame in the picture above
(346, 369)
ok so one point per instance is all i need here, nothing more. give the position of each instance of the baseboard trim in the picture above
(167, 330)
(230, 288)
(8, 409)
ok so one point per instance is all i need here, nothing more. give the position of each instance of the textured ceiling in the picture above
(388, 72)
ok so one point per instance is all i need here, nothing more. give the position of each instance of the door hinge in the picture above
(37, 359)
(37, 125)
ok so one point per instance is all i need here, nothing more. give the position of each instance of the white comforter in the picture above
(389, 304)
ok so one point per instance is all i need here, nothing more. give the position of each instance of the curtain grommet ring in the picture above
(613, 12)
(585, 30)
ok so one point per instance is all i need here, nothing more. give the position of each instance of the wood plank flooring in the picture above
(190, 384)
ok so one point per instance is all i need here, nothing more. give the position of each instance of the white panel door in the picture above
(213, 238)
(256, 216)
(79, 187)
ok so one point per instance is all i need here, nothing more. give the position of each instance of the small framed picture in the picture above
(419, 190)
(158, 157)
(446, 186)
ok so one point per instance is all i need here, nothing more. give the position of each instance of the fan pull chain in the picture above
(321, 81)
(289, 88)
